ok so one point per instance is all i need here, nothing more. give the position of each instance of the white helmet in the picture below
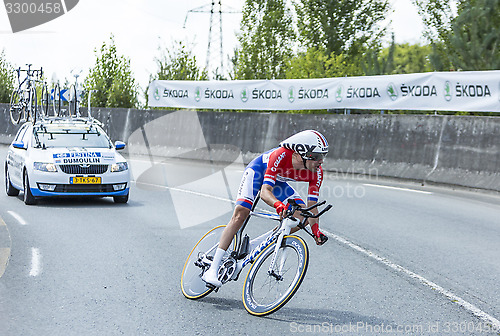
(310, 144)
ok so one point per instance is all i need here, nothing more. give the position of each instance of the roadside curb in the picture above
(5, 243)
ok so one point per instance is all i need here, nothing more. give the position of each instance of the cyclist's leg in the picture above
(249, 187)
(283, 192)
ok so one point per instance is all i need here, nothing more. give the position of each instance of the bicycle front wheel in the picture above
(16, 107)
(268, 289)
(191, 284)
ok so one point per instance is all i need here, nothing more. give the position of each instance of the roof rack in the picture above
(62, 120)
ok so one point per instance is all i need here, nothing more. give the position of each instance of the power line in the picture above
(216, 9)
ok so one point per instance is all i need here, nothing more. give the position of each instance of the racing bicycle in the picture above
(278, 264)
(23, 100)
(74, 96)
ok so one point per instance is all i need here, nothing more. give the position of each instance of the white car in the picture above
(66, 157)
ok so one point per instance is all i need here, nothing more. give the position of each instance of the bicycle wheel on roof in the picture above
(16, 107)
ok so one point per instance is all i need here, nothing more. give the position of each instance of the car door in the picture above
(16, 157)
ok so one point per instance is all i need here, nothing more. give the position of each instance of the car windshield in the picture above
(90, 139)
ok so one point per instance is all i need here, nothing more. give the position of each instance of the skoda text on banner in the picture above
(442, 91)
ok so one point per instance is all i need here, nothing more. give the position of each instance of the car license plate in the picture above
(85, 180)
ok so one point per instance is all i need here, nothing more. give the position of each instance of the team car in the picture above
(66, 157)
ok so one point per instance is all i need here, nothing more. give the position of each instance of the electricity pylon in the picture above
(215, 51)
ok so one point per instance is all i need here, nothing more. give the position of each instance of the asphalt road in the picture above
(401, 259)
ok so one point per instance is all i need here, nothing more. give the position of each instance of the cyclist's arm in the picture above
(266, 194)
(319, 237)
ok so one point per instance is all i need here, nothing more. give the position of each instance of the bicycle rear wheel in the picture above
(33, 107)
(73, 102)
(191, 284)
(44, 102)
(265, 292)
(16, 107)
(56, 101)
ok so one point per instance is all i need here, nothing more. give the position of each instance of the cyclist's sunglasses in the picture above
(314, 156)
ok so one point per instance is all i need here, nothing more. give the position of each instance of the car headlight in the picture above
(118, 167)
(44, 166)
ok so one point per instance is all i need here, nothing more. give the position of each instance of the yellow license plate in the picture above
(85, 180)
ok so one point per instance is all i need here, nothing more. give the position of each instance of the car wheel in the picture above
(9, 188)
(29, 199)
(120, 199)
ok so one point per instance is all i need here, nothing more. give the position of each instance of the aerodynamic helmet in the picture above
(309, 144)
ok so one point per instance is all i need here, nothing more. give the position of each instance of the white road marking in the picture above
(36, 262)
(17, 217)
(397, 188)
(188, 192)
(495, 323)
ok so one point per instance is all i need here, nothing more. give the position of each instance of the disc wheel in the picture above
(191, 284)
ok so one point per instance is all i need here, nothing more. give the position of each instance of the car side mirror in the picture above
(18, 145)
(119, 145)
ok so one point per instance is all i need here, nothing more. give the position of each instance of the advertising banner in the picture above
(442, 91)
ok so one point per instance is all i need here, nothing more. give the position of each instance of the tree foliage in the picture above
(341, 26)
(409, 58)
(267, 39)
(464, 34)
(316, 63)
(178, 63)
(475, 36)
(377, 63)
(111, 79)
(6, 78)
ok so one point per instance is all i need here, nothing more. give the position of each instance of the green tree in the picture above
(436, 16)
(112, 79)
(178, 63)
(6, 79)
(409, 58)
(467, 38)
(341, 26)
(267, 39)
(316, 63)
(375, 62)
(475, 36)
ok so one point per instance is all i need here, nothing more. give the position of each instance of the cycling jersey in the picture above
(275, 168)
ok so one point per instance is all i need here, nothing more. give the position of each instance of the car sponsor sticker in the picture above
(78, 158)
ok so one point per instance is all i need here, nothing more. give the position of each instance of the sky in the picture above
(140, 29)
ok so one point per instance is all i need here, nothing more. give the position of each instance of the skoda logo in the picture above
(291, 94)
(197, 94)
(157, 94)
(244, 95)
(338, 93)
(447, 91)
(392, 92)
(84, 165)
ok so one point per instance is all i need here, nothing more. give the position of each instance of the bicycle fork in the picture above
(286, 227)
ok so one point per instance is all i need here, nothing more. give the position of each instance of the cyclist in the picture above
(298, 158)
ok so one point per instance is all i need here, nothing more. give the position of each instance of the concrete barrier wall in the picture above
(455, 150)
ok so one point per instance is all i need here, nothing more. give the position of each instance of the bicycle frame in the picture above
(278, 235)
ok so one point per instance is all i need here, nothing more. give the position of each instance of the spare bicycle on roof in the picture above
(31, 100)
